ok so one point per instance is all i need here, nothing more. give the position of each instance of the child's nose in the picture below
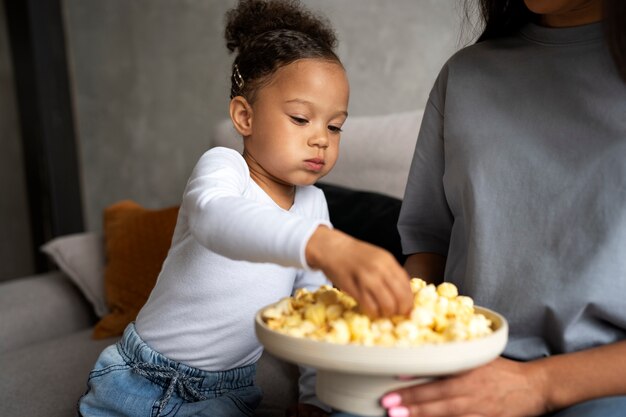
(320, 138)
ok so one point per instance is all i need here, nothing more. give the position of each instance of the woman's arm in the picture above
(592, 373)
(515, 389)
(428, 266)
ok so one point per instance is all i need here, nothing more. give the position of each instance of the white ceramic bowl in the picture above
(352, 378)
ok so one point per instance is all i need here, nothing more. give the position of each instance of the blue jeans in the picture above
(130, 379)
(604, 407)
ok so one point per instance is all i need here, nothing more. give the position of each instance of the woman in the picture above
(517, 194)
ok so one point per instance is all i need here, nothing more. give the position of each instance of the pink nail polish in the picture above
(391, 400)
(398, 412)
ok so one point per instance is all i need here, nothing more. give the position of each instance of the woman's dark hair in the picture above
(269, 34)
(506, 17)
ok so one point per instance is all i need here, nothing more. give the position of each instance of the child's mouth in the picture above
(315, 164)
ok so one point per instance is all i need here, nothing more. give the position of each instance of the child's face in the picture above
(296, 123)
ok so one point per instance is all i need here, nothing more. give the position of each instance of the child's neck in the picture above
(283, 194)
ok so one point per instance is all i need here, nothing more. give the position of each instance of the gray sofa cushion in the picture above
(39, 308)
(46, 379)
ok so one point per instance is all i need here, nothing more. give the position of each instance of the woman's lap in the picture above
(604, 407)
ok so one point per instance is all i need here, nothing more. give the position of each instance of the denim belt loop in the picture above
(184, 385)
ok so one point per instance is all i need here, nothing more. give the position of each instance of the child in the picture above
(251, 228)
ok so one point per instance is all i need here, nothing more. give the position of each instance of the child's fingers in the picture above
(385, 299)
(355, 288)
(369, 304)
(347, 285)
(368, 273)
(399, 285)
(387, 283)
(391, 286)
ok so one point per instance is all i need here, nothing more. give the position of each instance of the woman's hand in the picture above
(502, 388)
(368, 273)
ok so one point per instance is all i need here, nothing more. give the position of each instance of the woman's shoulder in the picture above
(479, 58)
(471, 55)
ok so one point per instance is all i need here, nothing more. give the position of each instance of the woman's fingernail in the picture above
(398, 412)
(391, 400)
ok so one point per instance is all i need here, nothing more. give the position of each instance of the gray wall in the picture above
(15, 245)
(149, 81)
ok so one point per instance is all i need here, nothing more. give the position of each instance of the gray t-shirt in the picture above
(519, 178)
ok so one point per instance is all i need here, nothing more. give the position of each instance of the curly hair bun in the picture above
(251, 18)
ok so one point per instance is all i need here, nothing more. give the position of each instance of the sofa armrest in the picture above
(40, 307)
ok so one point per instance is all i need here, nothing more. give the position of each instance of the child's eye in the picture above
(299, 120)
(335, 129)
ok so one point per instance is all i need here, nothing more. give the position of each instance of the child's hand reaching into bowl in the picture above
(305, 410)
(366, 272)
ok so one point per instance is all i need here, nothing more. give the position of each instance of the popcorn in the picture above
(281, 308)
(448, 290)
(339, 332)
(407, 331)
(426, 296)
(334, 311)
(422, 316)
(315, 313)
(417, 284)
(439, 315)
(359, 326)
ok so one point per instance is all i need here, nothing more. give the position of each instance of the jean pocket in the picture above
(109, 360)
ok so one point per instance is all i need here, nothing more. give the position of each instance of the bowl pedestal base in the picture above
(358, 394)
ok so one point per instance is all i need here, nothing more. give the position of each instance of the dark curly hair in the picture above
(269, 34)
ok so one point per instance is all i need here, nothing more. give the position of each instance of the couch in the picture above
(47, 320)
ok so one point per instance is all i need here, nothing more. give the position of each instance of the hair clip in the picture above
(237, 78)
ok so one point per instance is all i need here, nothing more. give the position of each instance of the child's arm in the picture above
(221, 219)
(368, 273)
(238, 227)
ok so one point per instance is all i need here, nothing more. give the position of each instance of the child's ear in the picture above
(241, 115)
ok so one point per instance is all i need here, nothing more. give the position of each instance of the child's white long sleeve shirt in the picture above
(234, 250)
